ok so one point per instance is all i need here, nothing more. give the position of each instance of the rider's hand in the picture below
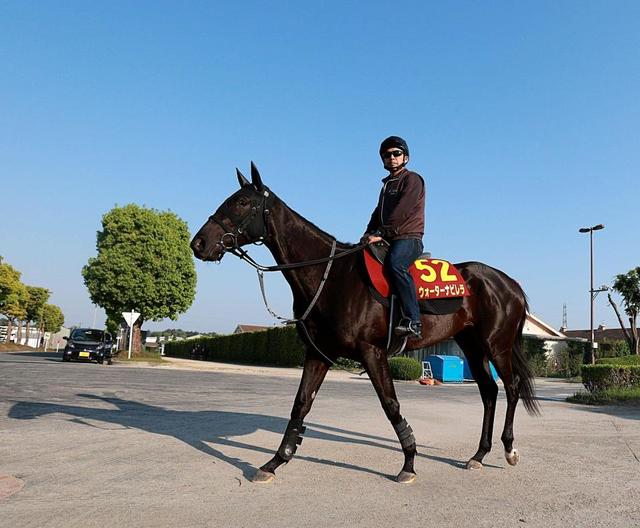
(374, 238)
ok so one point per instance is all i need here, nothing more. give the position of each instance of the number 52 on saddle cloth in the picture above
(439, 286)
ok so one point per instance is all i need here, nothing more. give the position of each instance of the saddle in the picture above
(440, 288)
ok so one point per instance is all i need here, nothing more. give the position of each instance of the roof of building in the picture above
(246, 328)
(539, 328)
(599, 334)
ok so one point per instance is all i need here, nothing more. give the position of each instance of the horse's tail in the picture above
(522, 370)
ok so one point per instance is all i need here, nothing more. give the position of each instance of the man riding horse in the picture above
(338, 317)
(399, 219)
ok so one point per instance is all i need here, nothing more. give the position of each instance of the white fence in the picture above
(30, 340)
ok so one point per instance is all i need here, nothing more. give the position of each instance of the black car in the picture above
(88, 344)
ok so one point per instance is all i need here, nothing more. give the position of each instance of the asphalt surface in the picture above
(92, 446)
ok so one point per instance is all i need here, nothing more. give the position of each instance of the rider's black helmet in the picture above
(394, 142)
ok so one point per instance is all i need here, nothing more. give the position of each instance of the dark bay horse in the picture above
(347, 322)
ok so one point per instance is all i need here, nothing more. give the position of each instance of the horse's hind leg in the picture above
(377, 367)
(312, 377)
(474, 350)
(503, 365)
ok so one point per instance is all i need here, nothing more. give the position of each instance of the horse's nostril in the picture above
(197, 244)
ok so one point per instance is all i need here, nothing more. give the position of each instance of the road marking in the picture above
(9, 485)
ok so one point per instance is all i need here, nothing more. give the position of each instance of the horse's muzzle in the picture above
(203, 251)
(197, 246)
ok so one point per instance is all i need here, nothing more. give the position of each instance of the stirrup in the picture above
(408, 328)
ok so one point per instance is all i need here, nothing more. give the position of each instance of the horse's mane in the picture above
(322, 232)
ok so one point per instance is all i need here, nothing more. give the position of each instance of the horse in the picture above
(343, 320)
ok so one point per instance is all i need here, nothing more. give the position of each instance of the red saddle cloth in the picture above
(434, 278)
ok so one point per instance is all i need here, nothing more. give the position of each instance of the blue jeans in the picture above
(401, 255)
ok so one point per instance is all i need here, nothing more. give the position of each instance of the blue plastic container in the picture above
(469, 376)
(448, 369)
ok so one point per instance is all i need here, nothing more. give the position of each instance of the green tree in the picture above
(37, 297)
(144, 264)
(628, 286)
(9, 278)
(113, 324)
(13, 295)
(52, 318)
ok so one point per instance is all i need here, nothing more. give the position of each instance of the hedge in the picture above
(613, 348)
(404, 368)
(596, 378)
(623, 360)
(566, 362)
(276, 346)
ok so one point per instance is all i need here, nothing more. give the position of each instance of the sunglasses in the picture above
(394, 153)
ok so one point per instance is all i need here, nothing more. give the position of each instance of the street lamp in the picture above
(592, 292)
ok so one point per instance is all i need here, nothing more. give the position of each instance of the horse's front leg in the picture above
(377, 366)
(312, 377)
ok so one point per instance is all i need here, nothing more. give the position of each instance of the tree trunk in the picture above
(137, 337)
(19, 333)
(633, 346)
(9, 330)
(38, 334)
(27, 329)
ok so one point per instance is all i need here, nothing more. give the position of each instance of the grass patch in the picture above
(620, 360)
(607, 396)
(144, 357)
(12, 347)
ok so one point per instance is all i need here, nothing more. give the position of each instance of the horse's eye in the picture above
(242, 202)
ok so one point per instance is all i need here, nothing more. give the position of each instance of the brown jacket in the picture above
(400, 210)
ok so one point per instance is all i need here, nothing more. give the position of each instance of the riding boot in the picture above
(408, 328)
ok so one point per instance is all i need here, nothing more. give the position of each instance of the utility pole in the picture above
(592, 292)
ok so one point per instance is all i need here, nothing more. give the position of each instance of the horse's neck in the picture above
(295, 239)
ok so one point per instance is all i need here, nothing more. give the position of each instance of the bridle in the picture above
(244, 224)
(259, 232)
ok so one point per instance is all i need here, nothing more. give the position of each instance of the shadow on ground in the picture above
(204, 429)
(626, 410)
(48, 356)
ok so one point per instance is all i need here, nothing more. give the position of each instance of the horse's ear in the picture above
(241, 179)
(255, 178)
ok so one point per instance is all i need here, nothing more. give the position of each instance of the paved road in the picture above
(121, 446)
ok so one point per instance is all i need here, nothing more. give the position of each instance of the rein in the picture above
(244, 226)
(243, 255)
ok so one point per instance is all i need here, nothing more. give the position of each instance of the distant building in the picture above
(600, 334)
(247, 328)
(57, 340)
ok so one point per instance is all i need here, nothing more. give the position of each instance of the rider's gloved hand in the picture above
(370, 238)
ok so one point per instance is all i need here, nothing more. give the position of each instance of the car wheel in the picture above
(100, 360)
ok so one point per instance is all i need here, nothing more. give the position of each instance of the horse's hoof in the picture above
(406, 477)
(263, 477)
(512, 458)
(474, 464)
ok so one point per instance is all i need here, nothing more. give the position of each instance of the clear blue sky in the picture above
(523, 117)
